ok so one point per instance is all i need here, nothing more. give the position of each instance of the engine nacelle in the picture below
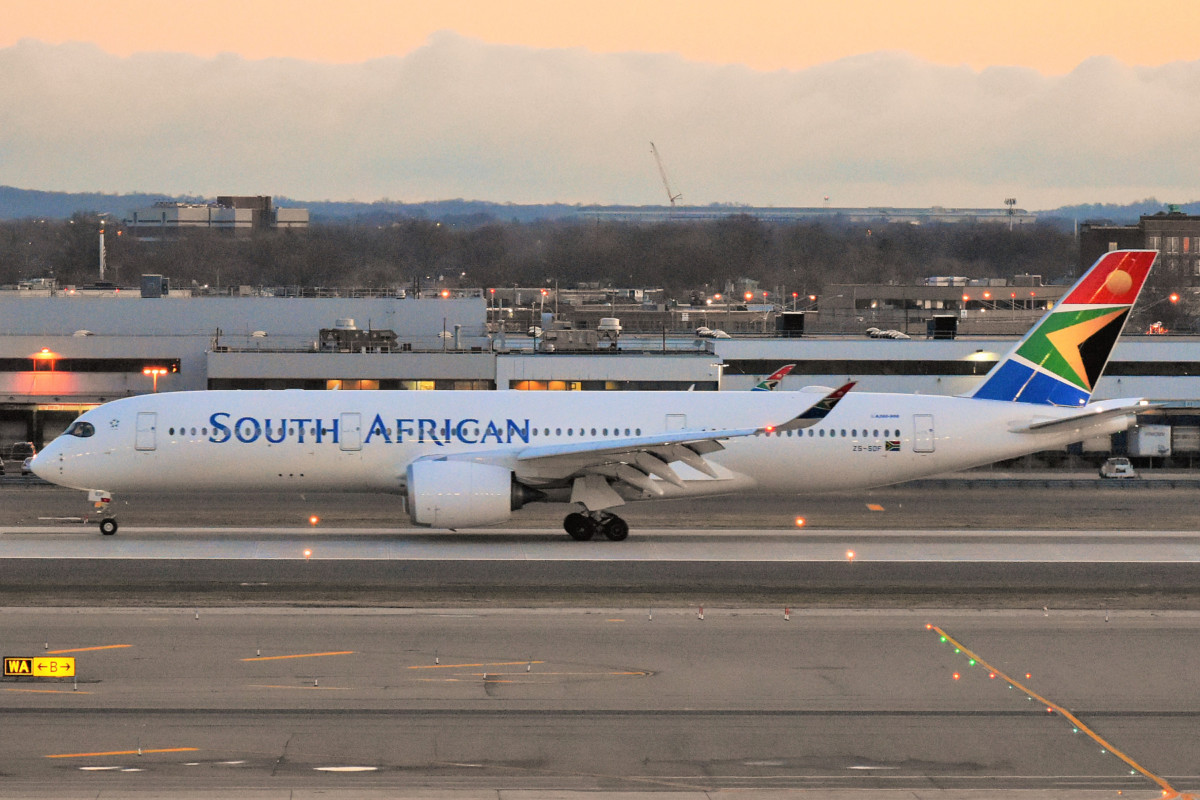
(461, 494)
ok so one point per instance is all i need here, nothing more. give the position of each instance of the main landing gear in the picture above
(582, 527)
(108, 526)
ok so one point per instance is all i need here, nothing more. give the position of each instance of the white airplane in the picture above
(469, 458)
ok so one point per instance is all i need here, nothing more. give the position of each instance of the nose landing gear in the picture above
(100, 502)
(582, 527)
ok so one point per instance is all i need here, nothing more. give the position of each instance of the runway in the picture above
(693, 564)
(601, 700)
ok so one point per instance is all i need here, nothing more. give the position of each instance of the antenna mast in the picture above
(662, 171)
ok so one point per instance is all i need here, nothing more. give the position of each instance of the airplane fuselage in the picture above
(248, 441)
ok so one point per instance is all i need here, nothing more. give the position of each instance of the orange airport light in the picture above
(154, 372)
(44, 359)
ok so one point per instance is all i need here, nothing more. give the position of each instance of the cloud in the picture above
(461, 118)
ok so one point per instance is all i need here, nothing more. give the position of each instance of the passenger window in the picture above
(876, 434)
(193, 431)
(570, 431)
(822, 432)
(558, 431)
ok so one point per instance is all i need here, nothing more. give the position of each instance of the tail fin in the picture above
(769, 383)
(1060, 360)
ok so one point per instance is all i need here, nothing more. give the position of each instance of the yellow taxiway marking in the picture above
(125, 752)
(306, 688)
(614, 620)
(874, 507)
(301, 655)
(88, 649)
(47, 691)
(489, 664)
(1168, 791)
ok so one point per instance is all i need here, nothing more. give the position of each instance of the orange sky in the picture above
(1052, 36)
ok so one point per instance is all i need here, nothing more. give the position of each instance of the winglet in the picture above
(771, 382)
(816, 412)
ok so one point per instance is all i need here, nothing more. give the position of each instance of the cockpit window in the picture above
(81, 429)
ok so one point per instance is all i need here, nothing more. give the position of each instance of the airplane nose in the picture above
(40, 465)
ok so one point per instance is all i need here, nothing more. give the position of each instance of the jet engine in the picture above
(463, 494)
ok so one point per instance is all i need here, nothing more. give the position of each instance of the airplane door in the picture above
(147, 422)
(922, 433)
(676, 422)
(350, 432)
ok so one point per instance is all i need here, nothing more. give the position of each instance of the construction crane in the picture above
(662, 171)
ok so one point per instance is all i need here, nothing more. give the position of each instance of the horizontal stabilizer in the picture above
(1089, 416)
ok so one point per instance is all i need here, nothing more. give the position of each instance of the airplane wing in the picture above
(1089, 415)
(593, 467)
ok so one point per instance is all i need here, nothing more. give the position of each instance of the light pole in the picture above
(154, 372)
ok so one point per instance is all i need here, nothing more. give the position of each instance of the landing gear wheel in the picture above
(108, 526)
(615, 529)
(579, 527)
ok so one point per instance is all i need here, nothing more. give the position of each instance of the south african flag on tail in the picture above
(1059, 362)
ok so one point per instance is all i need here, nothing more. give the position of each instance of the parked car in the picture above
(1117, 468)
